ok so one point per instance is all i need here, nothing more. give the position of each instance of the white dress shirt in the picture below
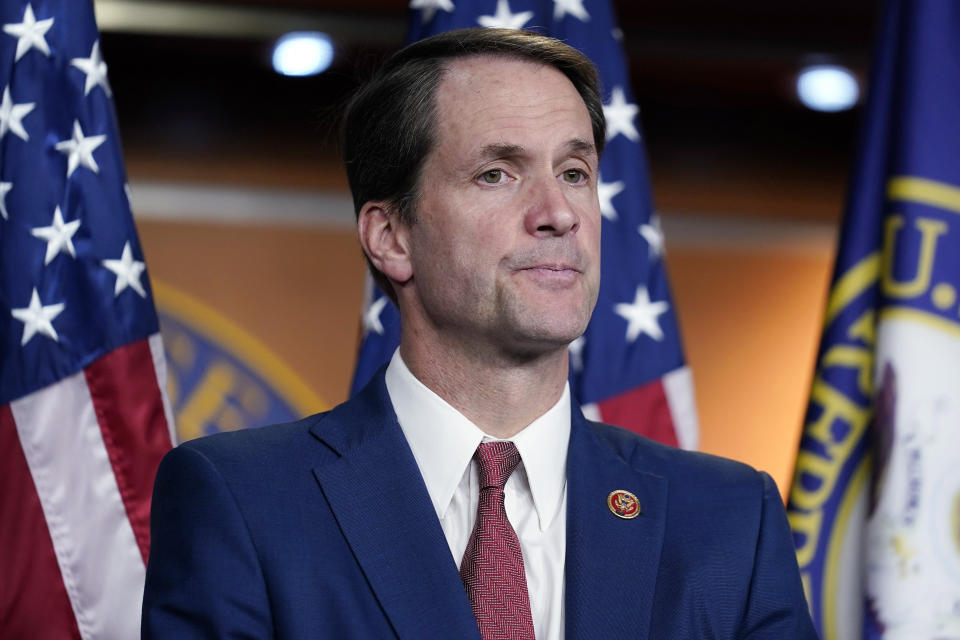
(443, 442)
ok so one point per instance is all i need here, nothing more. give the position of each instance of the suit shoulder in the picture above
(241, 447)
(677, 464)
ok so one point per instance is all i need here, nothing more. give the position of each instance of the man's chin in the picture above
(538, 325)
(544, 340)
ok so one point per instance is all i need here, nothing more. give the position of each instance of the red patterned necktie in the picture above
(492, 565)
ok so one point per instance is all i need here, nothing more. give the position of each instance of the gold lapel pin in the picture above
(623, 504)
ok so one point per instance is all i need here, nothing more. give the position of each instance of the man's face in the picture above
(506, 247)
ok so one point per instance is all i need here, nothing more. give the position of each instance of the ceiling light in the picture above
(827, 87)
(302, 53)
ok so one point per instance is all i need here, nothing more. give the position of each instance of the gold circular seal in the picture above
(623, 504)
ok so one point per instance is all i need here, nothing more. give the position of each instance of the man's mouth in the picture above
(553, 267)
(551, 275)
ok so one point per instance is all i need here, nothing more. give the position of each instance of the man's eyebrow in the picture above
(499, 150)
(496, 150)
(579, 145)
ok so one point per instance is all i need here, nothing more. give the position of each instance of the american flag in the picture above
(84, 417)
(628, 368)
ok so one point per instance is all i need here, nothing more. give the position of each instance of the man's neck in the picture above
(499, 395)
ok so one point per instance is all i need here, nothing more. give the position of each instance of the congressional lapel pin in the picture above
(623, 504)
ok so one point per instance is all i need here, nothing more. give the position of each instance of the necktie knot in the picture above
(496, 461)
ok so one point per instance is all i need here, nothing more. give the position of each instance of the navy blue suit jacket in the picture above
(323, 528)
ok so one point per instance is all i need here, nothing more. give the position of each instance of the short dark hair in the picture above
(388, 129)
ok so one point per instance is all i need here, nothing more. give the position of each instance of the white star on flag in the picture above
(620, 114)
(79, 150)
(38, 318)
(95, 68)
(430, 7)
(128, 272)
(606, 191)
(573, 7)
(642, 315)
(653, 234)
(4, 190)
(371, 319)
(29, 34)
(576, 353)
(59, 236)
(504, 18)
(12, 115)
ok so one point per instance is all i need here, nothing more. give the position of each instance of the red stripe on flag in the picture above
(126, 397)
(644, 410)
(33, 600)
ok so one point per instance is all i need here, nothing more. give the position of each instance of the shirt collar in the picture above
(443, 441)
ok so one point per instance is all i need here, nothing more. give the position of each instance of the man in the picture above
(462, 494)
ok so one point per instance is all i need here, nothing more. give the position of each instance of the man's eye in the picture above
(574, 176)
(492, 177)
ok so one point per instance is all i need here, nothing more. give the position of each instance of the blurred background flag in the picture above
(628, 368)
(875, 503)
(84, 418)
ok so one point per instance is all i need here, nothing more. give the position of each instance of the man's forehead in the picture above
(504, 90)
(468, 69)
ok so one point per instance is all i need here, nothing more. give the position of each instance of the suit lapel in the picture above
(376, 492)
(611, 563)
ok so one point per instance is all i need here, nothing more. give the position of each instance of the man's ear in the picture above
(385, 240)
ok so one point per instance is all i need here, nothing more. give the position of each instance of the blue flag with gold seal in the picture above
(875, 502)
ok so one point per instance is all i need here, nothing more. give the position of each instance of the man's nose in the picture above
(549, 212)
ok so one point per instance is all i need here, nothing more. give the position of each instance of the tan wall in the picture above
(751, 324)
(298, 290)
(750, 318)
